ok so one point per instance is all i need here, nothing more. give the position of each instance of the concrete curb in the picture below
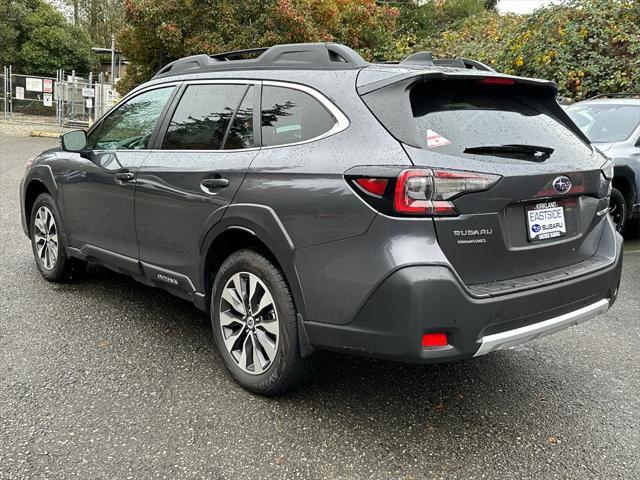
(39, 133)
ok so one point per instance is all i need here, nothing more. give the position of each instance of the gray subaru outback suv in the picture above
(424, 211)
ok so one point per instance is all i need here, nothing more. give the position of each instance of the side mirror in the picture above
(74, 141)
(638, 142)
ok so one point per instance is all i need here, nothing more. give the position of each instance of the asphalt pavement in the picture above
(106, 378)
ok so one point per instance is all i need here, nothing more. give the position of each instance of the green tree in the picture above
(159, 31)
(13, 14)
(586, 46)
(100, 18)
(435, 16)
(38, 39)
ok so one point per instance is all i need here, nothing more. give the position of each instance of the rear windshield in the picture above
(606, 123)
(452, 116)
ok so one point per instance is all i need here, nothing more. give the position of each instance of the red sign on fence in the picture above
(47, 85)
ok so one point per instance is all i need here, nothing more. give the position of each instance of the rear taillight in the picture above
(416, 191)
(429, 192)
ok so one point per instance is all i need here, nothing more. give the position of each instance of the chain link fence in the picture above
(64, 100)
(3, 79)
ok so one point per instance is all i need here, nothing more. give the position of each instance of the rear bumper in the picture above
(426, 299)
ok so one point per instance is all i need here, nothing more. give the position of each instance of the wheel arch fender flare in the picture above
(43, 175)
(262, 222)
(626, 174)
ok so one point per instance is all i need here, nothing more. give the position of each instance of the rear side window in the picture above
(201, 120)
(291, 116)
(451, 116)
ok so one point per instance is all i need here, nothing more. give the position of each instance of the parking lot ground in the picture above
(106, 378)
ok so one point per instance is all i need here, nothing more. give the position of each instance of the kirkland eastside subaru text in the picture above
(424, 211)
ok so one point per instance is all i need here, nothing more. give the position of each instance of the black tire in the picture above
(63, 268)
(618, 209)
(288, 370)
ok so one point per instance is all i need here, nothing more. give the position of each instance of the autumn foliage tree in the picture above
(159, 31)
(586, 46)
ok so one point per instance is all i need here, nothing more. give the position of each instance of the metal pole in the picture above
(99, 104)
(62, 95)
(59, 93)
(73, 91)
(55, 97)
(113, 57)
(10, 93)
(4, 91)
(93, 100)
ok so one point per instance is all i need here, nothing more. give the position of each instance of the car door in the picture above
(201, 157)
(98, 189)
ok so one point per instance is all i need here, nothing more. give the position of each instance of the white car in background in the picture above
(612, 124)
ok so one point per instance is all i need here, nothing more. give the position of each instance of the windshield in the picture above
(606, 123)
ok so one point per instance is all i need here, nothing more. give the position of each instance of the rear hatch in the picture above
(542, 214)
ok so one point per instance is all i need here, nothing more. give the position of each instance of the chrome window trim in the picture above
(165, 150)
(230, 81)
(342, 122)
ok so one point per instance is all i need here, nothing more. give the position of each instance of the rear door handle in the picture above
(211, 183)
(124, 177)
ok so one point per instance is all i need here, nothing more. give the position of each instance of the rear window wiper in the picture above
(533, 153)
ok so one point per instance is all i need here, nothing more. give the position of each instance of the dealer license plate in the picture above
(545, 220)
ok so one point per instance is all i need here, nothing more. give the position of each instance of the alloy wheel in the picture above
(249, 323)
(46, 238)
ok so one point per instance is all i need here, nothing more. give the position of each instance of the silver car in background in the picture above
(612, 124)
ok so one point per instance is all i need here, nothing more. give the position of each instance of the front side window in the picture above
(202, 118)
(291, 116)
(130, 126)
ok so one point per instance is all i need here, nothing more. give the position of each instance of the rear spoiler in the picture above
(417, 76)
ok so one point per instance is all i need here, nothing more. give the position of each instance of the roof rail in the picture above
(616, 95)
(419, 58)
(426, 59)
(239, 54)
(289, 56)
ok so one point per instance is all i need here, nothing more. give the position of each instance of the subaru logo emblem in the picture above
(562, 184)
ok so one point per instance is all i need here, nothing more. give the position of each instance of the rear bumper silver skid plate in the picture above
(500, 341)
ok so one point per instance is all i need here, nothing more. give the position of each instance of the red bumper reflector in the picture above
(374, 186)
(434, 340)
